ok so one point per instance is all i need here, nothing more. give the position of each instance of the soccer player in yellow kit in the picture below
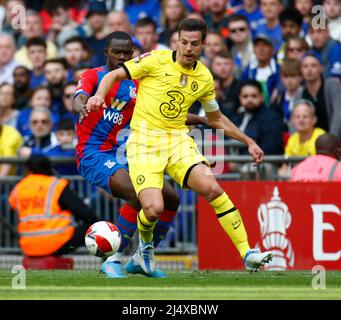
(169, 83)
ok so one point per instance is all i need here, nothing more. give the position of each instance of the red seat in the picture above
(48, 262)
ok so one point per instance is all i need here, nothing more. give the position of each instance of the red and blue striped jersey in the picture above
(102, 130)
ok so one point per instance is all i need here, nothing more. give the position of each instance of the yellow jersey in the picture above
(295, 148)
(166, 91)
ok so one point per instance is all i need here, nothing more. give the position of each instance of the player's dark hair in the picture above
(250, 83)
(117, 35)
(36, 41)
(146, 21)
(291, 14)
(65, 124)
(39, 164)
(194, 25)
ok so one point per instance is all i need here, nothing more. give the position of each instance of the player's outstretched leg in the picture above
(201, 181)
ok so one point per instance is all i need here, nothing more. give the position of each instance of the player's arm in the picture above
(79, 105)
(97, 101)
(194, 120)
(219, 121)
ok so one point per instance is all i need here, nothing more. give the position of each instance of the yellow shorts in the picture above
(149, 157)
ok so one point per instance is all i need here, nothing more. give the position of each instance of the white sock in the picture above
(117, 256)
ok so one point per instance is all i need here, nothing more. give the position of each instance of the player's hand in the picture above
(256, 152)
(83, 113)
(94, 103)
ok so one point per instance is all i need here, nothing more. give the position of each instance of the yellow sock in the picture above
(231, 221)
(145, 227)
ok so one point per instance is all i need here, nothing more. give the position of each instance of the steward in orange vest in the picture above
(46, 209)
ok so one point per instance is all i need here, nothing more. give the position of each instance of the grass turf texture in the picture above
(217, 285)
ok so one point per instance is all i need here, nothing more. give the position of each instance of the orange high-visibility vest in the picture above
(43, 226)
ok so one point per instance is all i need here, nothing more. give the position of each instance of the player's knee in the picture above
(213, 191)
(153, 211)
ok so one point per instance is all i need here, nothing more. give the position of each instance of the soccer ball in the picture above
(102, 239)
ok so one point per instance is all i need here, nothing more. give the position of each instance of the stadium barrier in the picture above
(182, 237)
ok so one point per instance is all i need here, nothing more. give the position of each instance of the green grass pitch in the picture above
(215, 285)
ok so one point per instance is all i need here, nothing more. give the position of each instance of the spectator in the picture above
(257, 121)
(242, 49)
(33, 29)
(172, 13)
(139, 9)
(335, 69)
(37, 53)
(323, 44)
(173, 40)
(305, 7)
(292, 79)
(217, 17)
(96, 40)
(69, 90)
(7, 61)
(62, 26)
(8, 115)
(333, 13)
(10, 142)
(296, 48)
(302, 142)
(21, 76)
(118, 21)
(55, 71)
(264, 69)
(291, 23)
(324, 166)
(223, 67)
(65, 147)
(48, 211)
(252, 13)
(214, 44)
(40, 98)
(76, 52)
(271, 27)
(42, 137)
(146, 34)
(324, 94)
(78, 70)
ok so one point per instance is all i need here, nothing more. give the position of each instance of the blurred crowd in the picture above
(276, 66)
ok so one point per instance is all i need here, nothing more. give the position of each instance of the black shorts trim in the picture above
(184, 183)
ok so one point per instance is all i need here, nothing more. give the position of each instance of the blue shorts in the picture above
(97, 168)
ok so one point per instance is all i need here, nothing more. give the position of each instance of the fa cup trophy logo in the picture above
(275, 218)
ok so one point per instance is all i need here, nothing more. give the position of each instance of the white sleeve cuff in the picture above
(210, 106)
